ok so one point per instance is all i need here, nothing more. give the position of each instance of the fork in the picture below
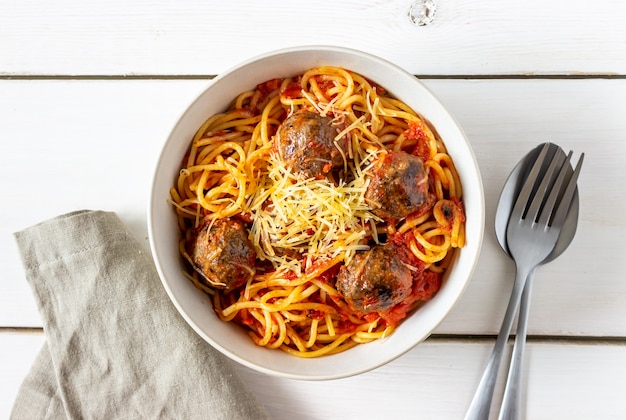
(532, 232)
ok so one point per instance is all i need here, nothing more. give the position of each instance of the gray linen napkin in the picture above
(115, 345)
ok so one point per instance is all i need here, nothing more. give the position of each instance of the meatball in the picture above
(398, 186)
(306, 142)
(223, 254)
(375, 280)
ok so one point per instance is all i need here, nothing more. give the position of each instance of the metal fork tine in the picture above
(544, 187)
(529, 183)
(568, 195)
(546, 212)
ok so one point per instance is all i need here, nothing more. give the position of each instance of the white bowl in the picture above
(196, 308)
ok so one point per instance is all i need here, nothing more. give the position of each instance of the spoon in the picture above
(511, 403)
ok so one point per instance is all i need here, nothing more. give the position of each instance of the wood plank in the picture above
(436, 379)
(70, 37)
(505, 119)
(77, 145)
(93, 144)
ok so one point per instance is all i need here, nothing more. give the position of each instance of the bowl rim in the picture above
(478, 207)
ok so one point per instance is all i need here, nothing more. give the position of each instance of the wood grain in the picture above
(94, 143)
(434, 380)
(478, 37)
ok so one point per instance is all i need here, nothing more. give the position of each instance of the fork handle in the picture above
(511, 408)
(481, 403)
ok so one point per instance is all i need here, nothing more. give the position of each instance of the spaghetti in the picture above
(311, 227)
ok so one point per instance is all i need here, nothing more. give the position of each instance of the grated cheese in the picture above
(296, 219)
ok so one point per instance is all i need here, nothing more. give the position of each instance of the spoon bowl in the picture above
(512, 187)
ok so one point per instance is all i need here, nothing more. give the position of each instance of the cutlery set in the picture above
(535, 222)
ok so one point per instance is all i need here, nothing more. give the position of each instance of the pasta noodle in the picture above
(304, 229)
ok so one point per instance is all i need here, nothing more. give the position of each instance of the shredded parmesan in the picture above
(296, 219)
(313, 102)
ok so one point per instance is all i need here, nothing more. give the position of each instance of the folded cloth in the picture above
(115, 345)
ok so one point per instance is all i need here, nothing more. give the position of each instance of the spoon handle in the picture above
(481, 403)
(511, 408)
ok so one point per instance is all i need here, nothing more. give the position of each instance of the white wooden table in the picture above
(89, 91)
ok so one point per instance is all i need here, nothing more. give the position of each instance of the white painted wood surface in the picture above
(476, 37)
(75, 132)
(436, 380)
(55, 164)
